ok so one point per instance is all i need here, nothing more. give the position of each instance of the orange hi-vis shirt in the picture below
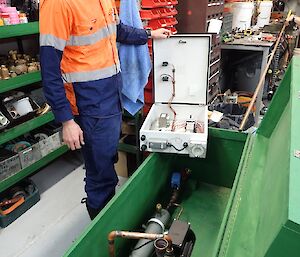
(88, 41)
(79, 57)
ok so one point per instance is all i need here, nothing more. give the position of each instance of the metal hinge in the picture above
(297, 154)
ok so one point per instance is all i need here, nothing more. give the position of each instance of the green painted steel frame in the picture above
(127, 210)
(19, 30)
(264, 220)
(20, 81)
(25, 127)
(6, 183)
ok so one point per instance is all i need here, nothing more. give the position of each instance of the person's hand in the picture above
(72, 135)
(161, 33)
(290, 18)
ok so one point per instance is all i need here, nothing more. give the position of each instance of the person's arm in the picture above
(133, 36)
(55, 26)
(294, 18)
(297, 20)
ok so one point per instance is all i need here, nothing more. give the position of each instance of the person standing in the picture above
(81, 78)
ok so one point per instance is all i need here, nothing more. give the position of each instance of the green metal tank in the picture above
(243, 200)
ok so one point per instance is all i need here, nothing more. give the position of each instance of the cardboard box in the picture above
(121, 165)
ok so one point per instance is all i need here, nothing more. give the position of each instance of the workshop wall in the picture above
(293, 5)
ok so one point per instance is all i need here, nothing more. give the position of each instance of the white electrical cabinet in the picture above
(178, 120)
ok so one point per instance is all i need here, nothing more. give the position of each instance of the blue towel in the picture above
(135, 61)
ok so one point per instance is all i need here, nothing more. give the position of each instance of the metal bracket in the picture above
(297, 154)
(157, 221)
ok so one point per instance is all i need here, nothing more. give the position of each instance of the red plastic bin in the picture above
(173, 30)
(166, 12)
(149, 14)
(148, 95)
(148, 87)
(157, 3)
(157, 13)
(146, 109)
(161, 23)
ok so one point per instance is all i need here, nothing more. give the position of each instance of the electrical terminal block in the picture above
(190, 125)
(164, 120)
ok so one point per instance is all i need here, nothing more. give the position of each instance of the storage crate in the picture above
(31, 199)
(3, 126)
(149, 14)
(161, 23)
(30, 155)
(9, 164)
(157, 3)
(50, 144)
(3, 3)
(157, 13)
(56, 140)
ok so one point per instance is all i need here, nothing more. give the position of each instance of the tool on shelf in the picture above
(15, 64)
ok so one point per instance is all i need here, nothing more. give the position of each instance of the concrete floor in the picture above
(51, 226)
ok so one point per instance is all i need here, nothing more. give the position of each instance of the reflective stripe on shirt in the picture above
(91, 75)
(51, 40)
(92, 38)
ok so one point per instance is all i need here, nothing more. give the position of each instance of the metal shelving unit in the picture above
(25, 127)
(20, 81)
(4, 184)
(17, 31)
(133, 149)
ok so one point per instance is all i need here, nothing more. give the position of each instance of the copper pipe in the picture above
(134, 235)
(160, 246)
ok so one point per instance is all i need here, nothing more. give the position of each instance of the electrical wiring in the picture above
(179, 150)
(173, 91)
(199, 127)
(172, 98)
(179, 125)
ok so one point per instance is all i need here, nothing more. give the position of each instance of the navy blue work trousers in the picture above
(101, 137)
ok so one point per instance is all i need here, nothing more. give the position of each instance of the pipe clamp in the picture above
(157, 221)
